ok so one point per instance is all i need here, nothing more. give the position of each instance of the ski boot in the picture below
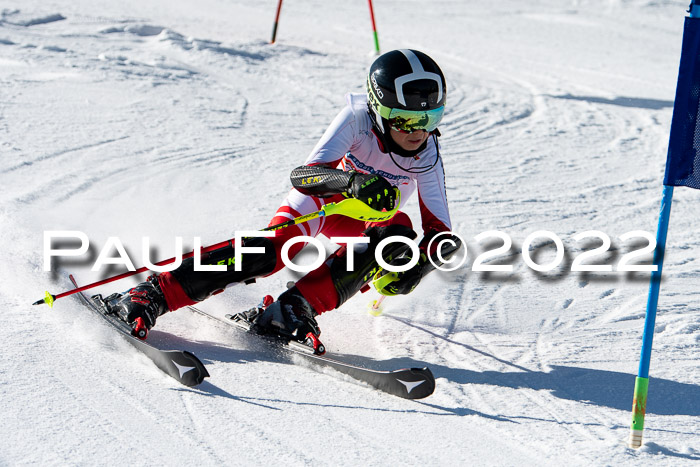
(247, 319)
(139, 307)
(291, 317)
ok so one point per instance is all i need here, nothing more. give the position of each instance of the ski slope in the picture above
(163, 119)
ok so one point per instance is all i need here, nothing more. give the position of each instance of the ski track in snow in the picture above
(164, 120)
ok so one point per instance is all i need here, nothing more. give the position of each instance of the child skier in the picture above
(382, 140)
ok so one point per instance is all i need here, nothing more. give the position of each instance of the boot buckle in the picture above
(315, 343)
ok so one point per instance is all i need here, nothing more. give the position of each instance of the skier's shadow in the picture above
(252, 349)
(244, 349)
(587, 385)
(591, 386)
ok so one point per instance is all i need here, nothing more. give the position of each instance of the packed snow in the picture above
(162, 119)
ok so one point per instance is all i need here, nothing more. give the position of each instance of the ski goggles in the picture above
(408, 121)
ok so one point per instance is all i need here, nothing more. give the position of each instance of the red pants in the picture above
(317, 286)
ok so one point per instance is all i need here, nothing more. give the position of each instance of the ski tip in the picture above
(418, 383)
(48, 299)
(190, 376)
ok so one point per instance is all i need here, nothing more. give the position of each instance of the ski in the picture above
(182, 365)
(408, 383)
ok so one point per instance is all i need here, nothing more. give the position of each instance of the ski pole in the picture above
(375, 308)
(379, 282)
(350, 207)
(49, 299)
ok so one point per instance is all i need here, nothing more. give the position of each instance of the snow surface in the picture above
(168, 118)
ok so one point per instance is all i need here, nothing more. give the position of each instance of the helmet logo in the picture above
(417, 73)
(423, 104)
(376, 87)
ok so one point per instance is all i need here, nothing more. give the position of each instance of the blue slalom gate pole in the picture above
(681, 162)
(641, 384)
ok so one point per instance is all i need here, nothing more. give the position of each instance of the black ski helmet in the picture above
(406, 90)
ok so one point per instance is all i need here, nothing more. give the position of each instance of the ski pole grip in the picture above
(382, 280)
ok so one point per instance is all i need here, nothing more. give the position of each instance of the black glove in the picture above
(373, 190)
(407, 280)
